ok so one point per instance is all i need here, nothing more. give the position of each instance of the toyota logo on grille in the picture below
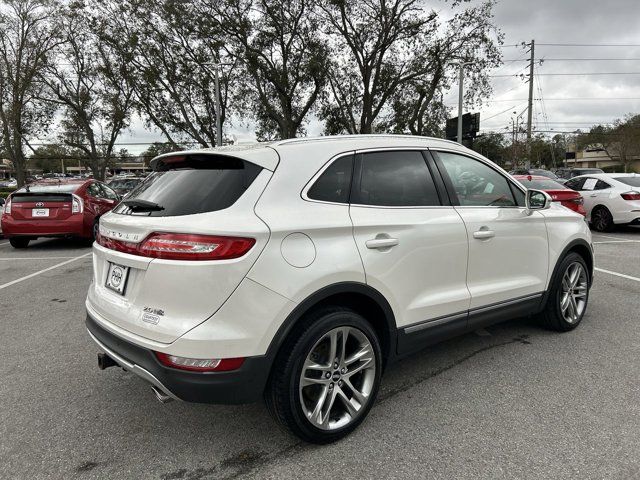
(39, 204)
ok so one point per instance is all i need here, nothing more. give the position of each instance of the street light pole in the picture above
(461, 66)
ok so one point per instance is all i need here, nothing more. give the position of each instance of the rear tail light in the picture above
(182, 246)
(200, 364)
(7, 206)
(631, 195)
(77, 205)
(578, 200)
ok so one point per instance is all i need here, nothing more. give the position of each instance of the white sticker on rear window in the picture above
(589, 184)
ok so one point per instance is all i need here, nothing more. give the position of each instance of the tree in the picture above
(492, 146)
(170, 51)
(391, 63)
(626, 142)
(279, 47)
(52, 157)
(26, 40)
(157, 148)
(89, 83)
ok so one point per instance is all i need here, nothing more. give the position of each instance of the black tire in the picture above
(94, 232)
(552, 317)
(282, 395)
(19, 242)
(602, 220)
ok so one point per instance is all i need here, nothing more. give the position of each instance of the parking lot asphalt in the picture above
(511, 401)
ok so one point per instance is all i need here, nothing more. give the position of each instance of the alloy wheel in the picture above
(573, 298)
(337, 378)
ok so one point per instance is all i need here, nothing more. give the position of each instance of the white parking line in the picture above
(628, 277)
(32, 258)
(13, 282)
(612, 237)
(617, 241)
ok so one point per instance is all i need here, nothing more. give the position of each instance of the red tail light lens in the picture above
(631, 195)
(200, 364)
(578, 200)
(182, 246)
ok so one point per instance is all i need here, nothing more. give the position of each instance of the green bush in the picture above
(5, 191)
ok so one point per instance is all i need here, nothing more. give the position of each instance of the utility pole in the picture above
(460, 100)
(218, 119)
(530, 108)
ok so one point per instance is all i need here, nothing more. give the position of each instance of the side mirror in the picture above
(537, 200)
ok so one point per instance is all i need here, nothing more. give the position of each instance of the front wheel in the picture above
(19, 242)
(326, 379)
(569, 294)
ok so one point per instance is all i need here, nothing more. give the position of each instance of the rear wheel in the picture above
(602, 220)
(19, 242)
(326, 379)
(569, 294)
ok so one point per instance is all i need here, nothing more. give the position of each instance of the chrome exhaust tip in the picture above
(161, 396)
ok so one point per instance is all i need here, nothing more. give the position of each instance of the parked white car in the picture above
(610, 199)
(296, 271)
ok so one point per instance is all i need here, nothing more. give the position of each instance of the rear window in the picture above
(194, 184)
(632, 181)
(588, 171)
(334, 183)
(543, 184)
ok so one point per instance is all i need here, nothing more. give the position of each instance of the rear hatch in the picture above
(179, 245)
(41, 206)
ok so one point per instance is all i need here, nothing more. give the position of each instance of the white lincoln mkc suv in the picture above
(296, 271)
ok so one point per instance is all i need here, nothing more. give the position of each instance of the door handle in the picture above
(484, 234)
(593, 195)
(378, 243)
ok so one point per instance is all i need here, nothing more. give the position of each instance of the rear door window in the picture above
(193, 184)
(394, 179)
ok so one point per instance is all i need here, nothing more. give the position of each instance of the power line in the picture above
(573, 59)
(590, 44)
(572, 74)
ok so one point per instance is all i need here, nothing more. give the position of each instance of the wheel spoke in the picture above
(564, 303)
(343, 345)
(316, 414)
(366, 362)
(333, 346)
(329, 401)
(351, 408)
(575, 276)
(358, 395)
(574, 308)
(365, 351)
(306, 381)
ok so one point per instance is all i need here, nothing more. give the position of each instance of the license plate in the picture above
(40, 212)
(117, 278)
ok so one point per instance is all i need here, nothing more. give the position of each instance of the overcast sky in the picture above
(570, 102)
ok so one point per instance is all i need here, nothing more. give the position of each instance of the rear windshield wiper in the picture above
(142, 205)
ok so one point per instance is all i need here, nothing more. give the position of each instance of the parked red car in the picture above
(559, 193)
(56, 208)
